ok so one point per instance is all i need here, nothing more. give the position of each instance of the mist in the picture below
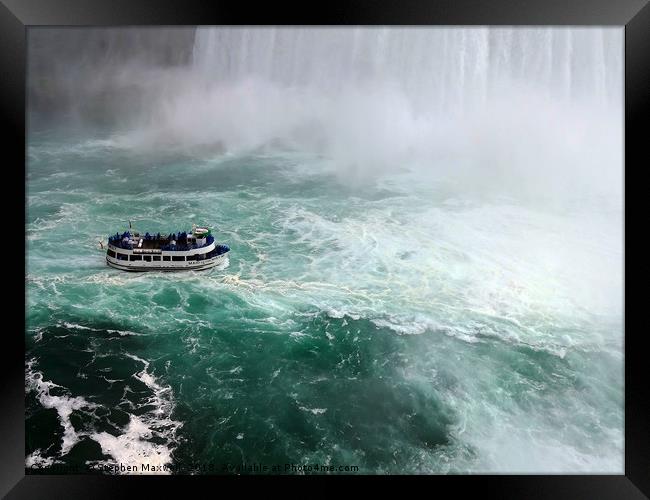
(517, 110)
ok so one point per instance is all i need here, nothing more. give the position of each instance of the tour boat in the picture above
(184, 251)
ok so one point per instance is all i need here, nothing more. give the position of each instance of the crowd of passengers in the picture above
(179, 239)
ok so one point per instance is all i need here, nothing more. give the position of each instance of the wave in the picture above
(148, 438)
(64, 404)
(134, 445)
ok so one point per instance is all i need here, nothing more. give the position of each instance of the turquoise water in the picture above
(395, 323)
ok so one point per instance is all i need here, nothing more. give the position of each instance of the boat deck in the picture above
(157, 243)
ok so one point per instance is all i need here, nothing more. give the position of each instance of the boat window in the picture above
(167, 257)
(191, 257)
(122, 256)
(156, 257)
(147, 258)
(177, 258)
(136, 257)
(110, 253)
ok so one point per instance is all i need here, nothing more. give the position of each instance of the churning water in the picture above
(426, 267)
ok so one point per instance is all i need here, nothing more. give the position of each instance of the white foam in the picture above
(411, 329)
(298, 335)
(64, 405)
(132, 448)
(75, 326)
(524, 444)
(315, 411)
(508, 268)
(36, 460)
(38, 333)
(125, 333)
(133, 445)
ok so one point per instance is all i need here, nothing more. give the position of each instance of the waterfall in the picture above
(439, 68)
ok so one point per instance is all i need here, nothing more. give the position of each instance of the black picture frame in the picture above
(17, 16)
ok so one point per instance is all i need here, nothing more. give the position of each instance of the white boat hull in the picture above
(166, 266)
(154, 260)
